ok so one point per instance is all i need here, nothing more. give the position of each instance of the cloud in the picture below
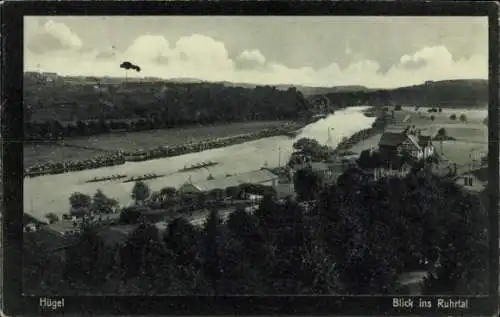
(203, 57)
(105, 55)
(52, 36)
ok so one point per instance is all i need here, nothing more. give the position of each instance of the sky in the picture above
(376, 52)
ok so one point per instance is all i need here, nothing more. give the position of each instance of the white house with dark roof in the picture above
(399, 139)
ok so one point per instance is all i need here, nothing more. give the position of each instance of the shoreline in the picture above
(119, 158)
(378, 126)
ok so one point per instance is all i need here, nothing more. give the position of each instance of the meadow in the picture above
(46, 152)
(131, 141)
(470, 137)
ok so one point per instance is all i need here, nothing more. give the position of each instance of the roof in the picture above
(413, 139)
(396, 128)
(61, 227)
(254, 177)
(423, 140)
(35, 218)
(391, 139)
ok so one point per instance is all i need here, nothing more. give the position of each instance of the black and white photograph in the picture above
(255, 155)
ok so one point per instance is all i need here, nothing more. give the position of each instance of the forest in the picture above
(59, 109)
(71, 108)
(358, 238)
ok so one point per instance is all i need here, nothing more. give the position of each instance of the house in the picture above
(397, 140)
(425, 143)
(472, 182)
(260, 177)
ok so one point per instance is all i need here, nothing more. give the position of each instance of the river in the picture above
(51, 193)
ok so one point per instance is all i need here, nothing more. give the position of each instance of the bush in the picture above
(131, 215)
(453, 117)
(397, 108)
(442, 132)
(463, 118)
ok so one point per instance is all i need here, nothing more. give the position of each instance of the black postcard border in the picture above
(12, 14)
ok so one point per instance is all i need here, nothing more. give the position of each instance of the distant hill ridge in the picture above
(450, 93)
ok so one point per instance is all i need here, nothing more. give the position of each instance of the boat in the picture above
(145, 177)
(106, 178)
(198, 166)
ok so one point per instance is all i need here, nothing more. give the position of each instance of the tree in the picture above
(103, 204)
(307, 184)
(365, 159)
(463, 118)
(211, 245)
(85, 260)
(216, 194)
(290, 246)
(463, 255)
(182, 239)
(52, 217)
(432, 117)
(131, 215)
(453, 116)
(442, 133)
(141, 240)
(79, 200)
(140, 192)
(233, 192)
(41, 270)
(246, 258)
(169, 192)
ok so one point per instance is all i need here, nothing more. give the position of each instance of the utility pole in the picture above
(279, 156)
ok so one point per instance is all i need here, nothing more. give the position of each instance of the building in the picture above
(472, 182)
(260, 177)
(399, 139)
(329, 171)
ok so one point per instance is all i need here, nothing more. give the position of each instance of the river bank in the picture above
(50, 193)
(119, 157)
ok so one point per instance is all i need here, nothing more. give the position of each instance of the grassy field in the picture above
(471, 137)
(131, 141)
(42, 153)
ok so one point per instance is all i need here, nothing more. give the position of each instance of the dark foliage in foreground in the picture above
(357, 240)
